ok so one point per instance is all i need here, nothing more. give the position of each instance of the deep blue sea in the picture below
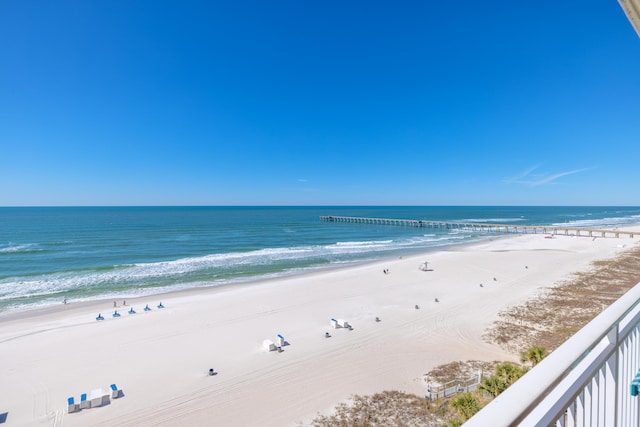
(84, 253)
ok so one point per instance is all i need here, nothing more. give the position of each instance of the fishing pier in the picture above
(487, 228)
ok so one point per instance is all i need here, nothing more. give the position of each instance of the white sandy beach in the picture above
(161, 358)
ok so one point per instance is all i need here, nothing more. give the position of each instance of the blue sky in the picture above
(318, 103)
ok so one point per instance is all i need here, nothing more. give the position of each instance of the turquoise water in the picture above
(48, 254)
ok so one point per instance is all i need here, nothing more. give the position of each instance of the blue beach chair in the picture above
(115, 391)
(116, 314)
(132, 311)
(84, 403)
(147, 308)
(99, 317)
(73, 406)
(160, 305)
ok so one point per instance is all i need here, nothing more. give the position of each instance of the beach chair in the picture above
(131, 311)
(116, 314)
(160, 305)
(147, 308)
(84, 403)
(115, 391)
(100, 317)
(268, 345)
(73, 406)
(280, 340)
(334, 323)
(343, 323)
(98, 398)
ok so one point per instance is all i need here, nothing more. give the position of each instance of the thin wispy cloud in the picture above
(531, 179)
(551, 178)
(519, 178)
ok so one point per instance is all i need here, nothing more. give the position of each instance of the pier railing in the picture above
(483, 227)
(584, 382)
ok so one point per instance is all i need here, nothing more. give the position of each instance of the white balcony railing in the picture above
(584, 382)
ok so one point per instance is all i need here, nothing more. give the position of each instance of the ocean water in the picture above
(48, 254)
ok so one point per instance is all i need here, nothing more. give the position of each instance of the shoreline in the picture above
(160, 358)
(30, 312)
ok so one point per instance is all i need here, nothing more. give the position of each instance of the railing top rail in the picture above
(522, 396)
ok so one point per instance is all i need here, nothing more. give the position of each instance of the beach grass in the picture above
(556, 313)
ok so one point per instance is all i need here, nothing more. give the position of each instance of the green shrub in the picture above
(533, 355)
(465, 405)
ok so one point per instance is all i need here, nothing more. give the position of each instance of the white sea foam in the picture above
(179, 270)
(601, 223)
(25, 247)
(363, 244)
(10, 289)
(452, 233)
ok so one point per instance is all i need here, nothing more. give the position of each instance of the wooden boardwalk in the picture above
(479, 227)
